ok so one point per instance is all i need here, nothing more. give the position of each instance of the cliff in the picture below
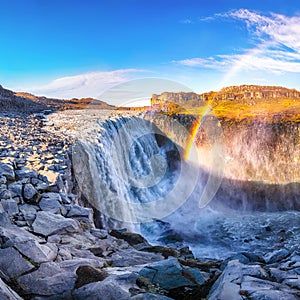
(248, 92)
(180, 98)
(242, 93)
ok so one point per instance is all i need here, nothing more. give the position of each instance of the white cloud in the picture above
(85, 85)
(277, 49)
(278, 28)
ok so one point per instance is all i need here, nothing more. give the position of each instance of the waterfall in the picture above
(131, 172)
(136, 177)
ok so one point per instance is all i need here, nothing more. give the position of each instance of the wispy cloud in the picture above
(202, 19)
(85, 85)
(277, 44)
(217, 62)
(207, 19)
(186, 21)
(279, 28)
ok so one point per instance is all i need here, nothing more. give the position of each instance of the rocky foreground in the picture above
(50, 248)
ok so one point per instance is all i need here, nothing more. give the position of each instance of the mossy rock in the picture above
(130, 237)
(87, 274)
(203, 266)
(164, 251)
(145, 284)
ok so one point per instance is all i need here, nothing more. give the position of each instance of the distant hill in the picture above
(19, 101)
(243, 93)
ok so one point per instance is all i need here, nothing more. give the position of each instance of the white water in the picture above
(131, 173)
(139, 181)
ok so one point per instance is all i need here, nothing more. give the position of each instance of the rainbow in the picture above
(237, 66)
(193, 132)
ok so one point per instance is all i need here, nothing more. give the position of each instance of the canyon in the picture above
(65, 176)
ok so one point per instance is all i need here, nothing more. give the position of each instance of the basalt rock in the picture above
(47, 223)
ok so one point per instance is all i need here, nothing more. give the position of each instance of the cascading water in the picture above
(132, 173)
(136, 178)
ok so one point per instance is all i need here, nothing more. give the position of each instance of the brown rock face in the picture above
(235, 93)
(244, 92)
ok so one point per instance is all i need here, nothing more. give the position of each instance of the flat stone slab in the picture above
(47, 223)
(12, 263)
(131, 257)
(48, 280)
(50, 203)
(169, 274)
(78, 211)
(13, 234)
(107, 289)
(36, 252)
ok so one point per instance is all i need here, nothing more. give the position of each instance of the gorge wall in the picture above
(262, 160)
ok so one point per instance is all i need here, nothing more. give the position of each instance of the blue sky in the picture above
(80, 48)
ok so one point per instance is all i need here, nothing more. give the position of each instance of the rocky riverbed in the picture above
(51, 249)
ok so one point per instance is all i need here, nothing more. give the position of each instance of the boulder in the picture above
(132, 257)
(276, 256)
(88, 274)
(133, 239)
(10, 206)
(50, 202)
(12, 263)
(5, 193)
(251, 284)
(36, 252)
(280, 275)
(101, 290)
(256, 287)
(228, 284)
(29, 192)
(169, 274)
(28, 211)
(78, 211)
(53, 197)
(47, 223)
(15, 189)
(10, 235)
(26, 173)
(71, 265)
(7, 170)
(48, 280)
